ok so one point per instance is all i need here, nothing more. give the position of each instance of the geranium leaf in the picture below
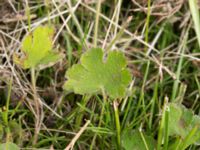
(9, 146)
(132, 140)
(37, 49)
(182, 121)
(94, 74)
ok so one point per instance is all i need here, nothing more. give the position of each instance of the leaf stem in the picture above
(5, 113)
(117, 122)
(100, 119)
(37, 106)
(28, 16)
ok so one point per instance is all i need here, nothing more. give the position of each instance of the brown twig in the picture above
(71, 144)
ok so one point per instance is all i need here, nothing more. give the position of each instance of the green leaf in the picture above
(37, 49)
(196, 122)
(175, 114)
(180, 120)
(181, 123)
(96, 75)
(134, 141)
(9, 146)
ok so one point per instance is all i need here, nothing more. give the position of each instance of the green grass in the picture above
(163, 56)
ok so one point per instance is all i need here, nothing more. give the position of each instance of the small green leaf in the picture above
(175, 114)
(134, 141)
(94, 74)
(196, 122)
(182, 121)
(37, 49)
(9, 146)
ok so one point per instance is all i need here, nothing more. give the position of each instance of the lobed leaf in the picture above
(94, 74)
(134, 141)
(9, 146)
(37, 49)
(182, 121)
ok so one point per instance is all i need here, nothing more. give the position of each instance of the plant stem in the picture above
(5, 114)
(97, 23)
(37, 106)
(163, 129)
(181, 51)
(195, 16)
(147, 22)
(100, 119)
(141, 98)
(119, 34)
(153, 101)
(28, 13)
(79, 118)
(166, 137)
(71, 11)
(117, 122)
(143, 139)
